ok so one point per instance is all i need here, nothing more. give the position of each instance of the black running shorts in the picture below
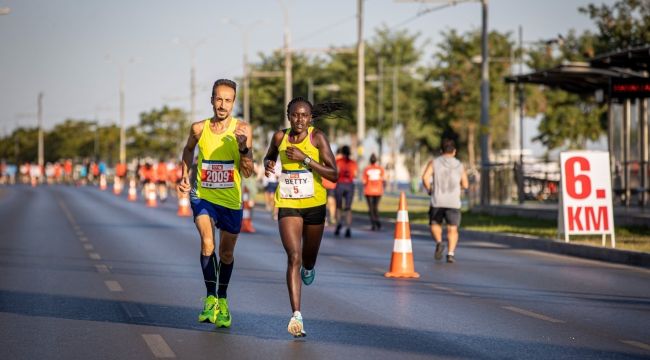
(310, 216)
(437, 215)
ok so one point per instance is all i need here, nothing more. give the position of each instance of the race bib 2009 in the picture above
(217, 174)
(296, 184)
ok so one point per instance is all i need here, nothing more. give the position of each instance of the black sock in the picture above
(208, 265)
(225, 270)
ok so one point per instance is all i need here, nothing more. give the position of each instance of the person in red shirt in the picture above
(345, 190)
(373, 189)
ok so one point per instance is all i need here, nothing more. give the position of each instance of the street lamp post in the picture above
(361, 88)
(288, 81)
(122, 69)
(485, 108)
(245, 30)
(41, 150)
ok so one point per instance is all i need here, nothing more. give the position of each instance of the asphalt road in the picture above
(84, 274)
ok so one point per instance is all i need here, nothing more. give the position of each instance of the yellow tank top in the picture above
(299, 187)
(218, 180)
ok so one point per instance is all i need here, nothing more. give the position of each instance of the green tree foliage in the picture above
(624, 24)
(21, 146)
(160, 134)
(455, 105)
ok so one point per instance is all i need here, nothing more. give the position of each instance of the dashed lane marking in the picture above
(637, 344)
(88, 246)
(342, 259)
(94, 256)
(158, 346)
(532, 314)
(449, 290)
(113, 285)
(83, 239)
(101, 268)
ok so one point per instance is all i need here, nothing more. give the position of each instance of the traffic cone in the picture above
(184, 205)
(133, 192)
(247, 221)
(151, 195)
(102, 182)
(117, 186)
(401, 262)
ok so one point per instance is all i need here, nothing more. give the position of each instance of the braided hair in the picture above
(319, 110)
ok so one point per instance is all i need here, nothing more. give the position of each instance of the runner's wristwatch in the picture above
(306, 161)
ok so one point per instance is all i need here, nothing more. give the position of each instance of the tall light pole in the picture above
(41, 151)
(361, 86)
(245, 30)
(288, 81)
(192, 47)
(485, 108)
(122, 70)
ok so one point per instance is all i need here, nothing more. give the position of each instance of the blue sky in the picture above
(60, 47)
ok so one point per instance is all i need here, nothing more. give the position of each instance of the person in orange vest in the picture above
(373, 189)
(330, 186)
(345, 191)
(161, 179)
(443, 179)
(67, 171)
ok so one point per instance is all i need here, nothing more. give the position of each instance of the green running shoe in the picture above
(307, 276)
(223, 315)
(210, 310)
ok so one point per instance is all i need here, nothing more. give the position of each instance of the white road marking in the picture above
(342, 259)
(94, 256)
(88, 246)
(113, 285)
(449, 290)
(158, 346)
(102, 269)
(83, 239)
(532, 314)
(638, 344)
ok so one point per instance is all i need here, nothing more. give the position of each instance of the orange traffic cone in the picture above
(117, 186)
(401, 262)
(247, 221)
(151, 195)
(133, 193)
(102, 182)
(183, 205)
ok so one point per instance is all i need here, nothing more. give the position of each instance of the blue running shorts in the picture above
(226, 219)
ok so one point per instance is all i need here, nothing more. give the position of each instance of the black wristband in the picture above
(244, 152)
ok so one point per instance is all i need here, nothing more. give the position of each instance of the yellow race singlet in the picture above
(218, 180)
(299, 187)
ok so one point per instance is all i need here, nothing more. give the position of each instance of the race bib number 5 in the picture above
(296, 184)
(217, 174)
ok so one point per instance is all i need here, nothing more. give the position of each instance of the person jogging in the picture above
(345, 191)
(300, 197)
(443, 179)
(373, 189)
(225, 154)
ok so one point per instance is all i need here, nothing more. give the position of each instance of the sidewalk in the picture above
(627, 257)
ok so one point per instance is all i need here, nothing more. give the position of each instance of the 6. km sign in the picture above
(586, 201)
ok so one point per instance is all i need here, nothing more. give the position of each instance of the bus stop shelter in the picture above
(621, 80)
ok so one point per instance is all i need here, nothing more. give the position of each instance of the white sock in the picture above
(297, 314)
(450, 253)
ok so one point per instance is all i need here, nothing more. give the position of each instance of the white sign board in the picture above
(586, 202)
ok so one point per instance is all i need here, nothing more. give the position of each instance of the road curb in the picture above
(626, 257)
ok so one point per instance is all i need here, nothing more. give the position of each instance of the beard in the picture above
(221, 114)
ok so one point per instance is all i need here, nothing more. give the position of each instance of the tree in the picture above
(455, 104)
(622, 25)
(160, 134)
